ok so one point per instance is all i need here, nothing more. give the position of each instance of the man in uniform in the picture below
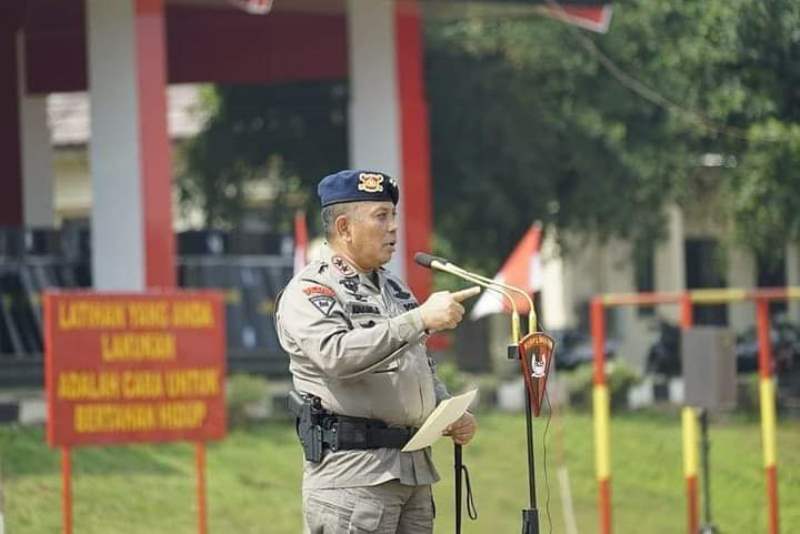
(356, 338)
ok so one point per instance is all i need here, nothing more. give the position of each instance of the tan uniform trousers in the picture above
(388, 508)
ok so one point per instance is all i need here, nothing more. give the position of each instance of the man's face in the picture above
(373, 233)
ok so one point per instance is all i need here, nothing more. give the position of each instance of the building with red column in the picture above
(126, 52)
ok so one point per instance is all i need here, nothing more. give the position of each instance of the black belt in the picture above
(341, 433)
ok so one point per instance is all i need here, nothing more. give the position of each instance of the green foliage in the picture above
(452, 377)
(748, 397)
(596, 133)
(619, 380)
(532, 119)
(244, 391)
(285, 137)
(254, 479)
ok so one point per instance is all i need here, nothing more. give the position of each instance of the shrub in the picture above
(244, 394)
(619, 379)
(453, 378)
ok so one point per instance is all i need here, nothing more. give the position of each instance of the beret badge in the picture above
(369, 182)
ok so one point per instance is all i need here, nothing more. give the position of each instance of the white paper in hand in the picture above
(447, 413)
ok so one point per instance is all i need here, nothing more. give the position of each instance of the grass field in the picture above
(253, 479)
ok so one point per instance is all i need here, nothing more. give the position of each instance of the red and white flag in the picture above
(594, 18)
(254, 7)
(522, 269)
(300, 241)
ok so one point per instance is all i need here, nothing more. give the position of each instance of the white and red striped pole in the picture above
(300, 241)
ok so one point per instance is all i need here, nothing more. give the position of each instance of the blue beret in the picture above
(357, 186)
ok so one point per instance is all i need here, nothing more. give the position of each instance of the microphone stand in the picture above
(515, 333)
(530, 516)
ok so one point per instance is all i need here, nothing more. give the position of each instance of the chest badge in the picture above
(398, 290)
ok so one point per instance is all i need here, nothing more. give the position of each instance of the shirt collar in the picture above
(342, 267)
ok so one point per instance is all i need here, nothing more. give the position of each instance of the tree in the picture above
(535, 119)
(532, 119)
(286, 135)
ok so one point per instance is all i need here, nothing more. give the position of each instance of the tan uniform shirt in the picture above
(357, 341)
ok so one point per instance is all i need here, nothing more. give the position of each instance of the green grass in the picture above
(254, 479)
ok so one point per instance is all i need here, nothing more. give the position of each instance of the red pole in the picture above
(66, 490)
(767, 396)
(687, 318)
(598, 326)
(764, 345)
(200, 455)
(692, 497)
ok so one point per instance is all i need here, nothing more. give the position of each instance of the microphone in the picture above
(531, 309)
(440, 264)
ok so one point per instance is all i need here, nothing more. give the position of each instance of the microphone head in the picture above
(424, 259)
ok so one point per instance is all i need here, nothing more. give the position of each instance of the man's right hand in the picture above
(443, 310)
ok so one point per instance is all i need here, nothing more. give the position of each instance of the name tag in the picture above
(360, 308)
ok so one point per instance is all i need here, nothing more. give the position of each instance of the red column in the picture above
(415, 143)
(11, 176)
(154, 153)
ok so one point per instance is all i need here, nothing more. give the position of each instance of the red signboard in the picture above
(134, 367)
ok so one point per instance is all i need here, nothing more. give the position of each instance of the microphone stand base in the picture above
(530, 521)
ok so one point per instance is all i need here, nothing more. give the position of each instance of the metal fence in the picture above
(29, 265)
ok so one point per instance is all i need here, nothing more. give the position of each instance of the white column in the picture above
(37, 153)
(793, 277)
(670, 262)
(375, 141)
(117, 207)
(741, 274)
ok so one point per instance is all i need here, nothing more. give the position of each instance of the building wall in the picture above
(589, 268)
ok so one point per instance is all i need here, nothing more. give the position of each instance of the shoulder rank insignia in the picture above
(323, 303)
(342, 266)
(371, 183)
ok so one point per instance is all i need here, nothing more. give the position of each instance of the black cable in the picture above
(544, 459)
(472, 510)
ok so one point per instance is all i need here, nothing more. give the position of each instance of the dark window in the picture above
(644, 272)
(704, 269)
(772, 273)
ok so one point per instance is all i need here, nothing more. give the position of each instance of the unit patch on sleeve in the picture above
(319, 290)
(323, 303)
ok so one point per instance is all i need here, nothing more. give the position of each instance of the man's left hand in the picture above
(462, 430)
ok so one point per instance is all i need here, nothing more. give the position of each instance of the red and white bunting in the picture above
(522, 269)
(254, 7)
(594, 18)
